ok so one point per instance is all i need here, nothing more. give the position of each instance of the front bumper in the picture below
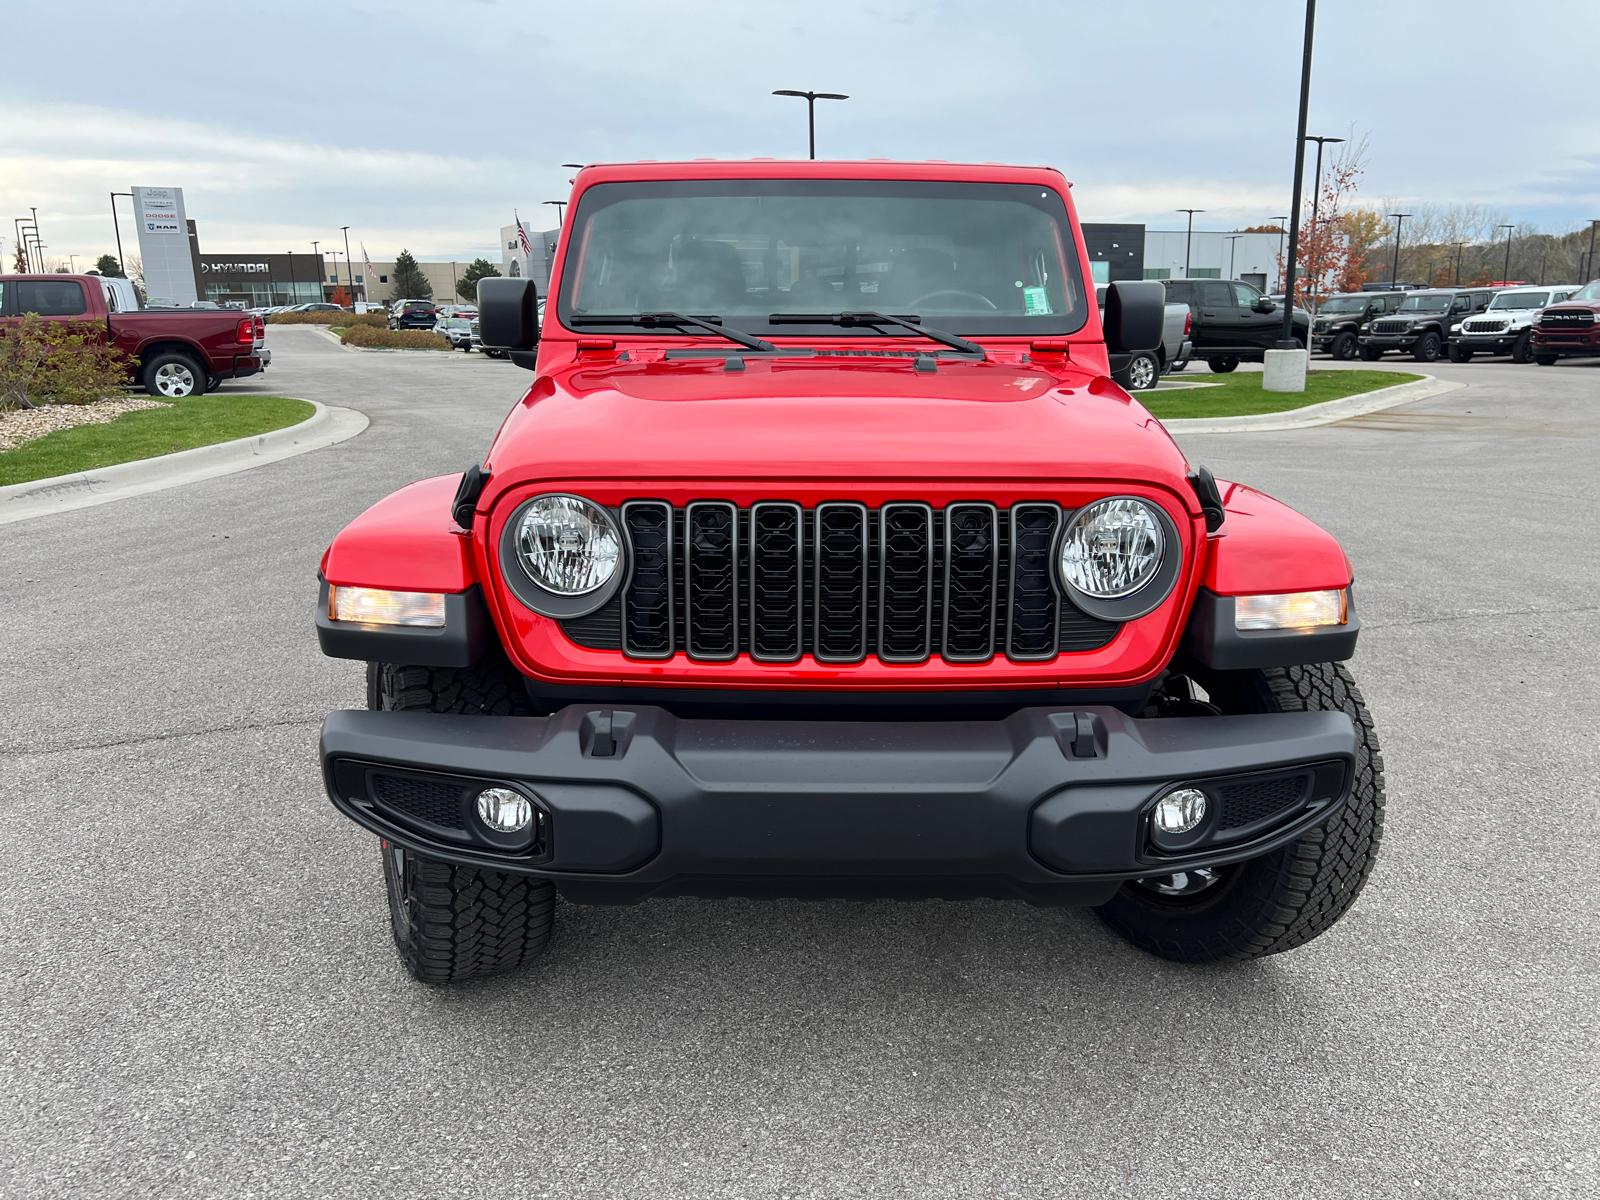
(1390, 341)
(1048, 804)
(1579, 344)
(1488, 343)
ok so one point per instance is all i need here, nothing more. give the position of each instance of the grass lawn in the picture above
(197, 421)
(1239, 395)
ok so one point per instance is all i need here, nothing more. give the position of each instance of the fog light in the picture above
(1180, 810)
(504, 810)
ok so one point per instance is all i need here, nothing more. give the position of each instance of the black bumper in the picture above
(1488, 343)
(1391, 341)
(1048, 804)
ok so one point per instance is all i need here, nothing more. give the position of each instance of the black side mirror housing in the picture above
(1134, 316)
(1266, 305)
(508, 313)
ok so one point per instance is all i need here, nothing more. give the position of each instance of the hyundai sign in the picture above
(164, 246)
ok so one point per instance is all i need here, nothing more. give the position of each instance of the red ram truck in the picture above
(823, 557)
(174, 352)
(1570, 329)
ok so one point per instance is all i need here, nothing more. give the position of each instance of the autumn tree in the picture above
(341, 297)
(1328, 259)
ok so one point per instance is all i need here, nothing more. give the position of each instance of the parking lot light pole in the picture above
(1316, 192)
(1460, 250)
(1394, 271)
(1282, 224)
(351, 272)
(1287, 341)
(1592, 224)
(811, 99)
(121, 266)
(322, 270)
(1506, 278)
(561, 211)
(1188, 240)
(1233, 244)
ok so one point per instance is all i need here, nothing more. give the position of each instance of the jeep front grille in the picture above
(1482, 326)
(1567, 319)
(1390, 326)
(841, 582)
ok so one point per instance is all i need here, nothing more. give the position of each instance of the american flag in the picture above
(522, 237)
(371, 274)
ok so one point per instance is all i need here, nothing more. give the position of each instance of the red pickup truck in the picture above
(176, 352)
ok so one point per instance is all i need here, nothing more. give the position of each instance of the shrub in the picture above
(408, 339)
(57, 362)
(377, 320)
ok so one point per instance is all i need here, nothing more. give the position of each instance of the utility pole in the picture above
(811, 99)
(1394, 272)
(1316, 194)
(1506, 278)
(1188, 241)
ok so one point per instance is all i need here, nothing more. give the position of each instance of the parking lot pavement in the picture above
(201, 999)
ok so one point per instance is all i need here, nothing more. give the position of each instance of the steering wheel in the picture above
(983, 300)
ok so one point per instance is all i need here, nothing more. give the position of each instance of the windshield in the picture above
(1425, 303)
(1344, 304)
(1520, 300)
(972, 258)
(1590, 292)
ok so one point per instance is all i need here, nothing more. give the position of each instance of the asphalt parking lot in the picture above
(200, 996)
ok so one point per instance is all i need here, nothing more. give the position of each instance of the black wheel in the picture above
(1522, 349)
(1283, 899)
(1427, 349)
(1223, 363)
(1546, 360)
(172, 376)
(1460, 353)
(451, 923)
(1370, 354)
(1344, 347)
(1141, 374)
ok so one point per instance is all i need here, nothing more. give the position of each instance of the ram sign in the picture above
(164, 246)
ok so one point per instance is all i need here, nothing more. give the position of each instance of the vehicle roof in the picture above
(783, 168)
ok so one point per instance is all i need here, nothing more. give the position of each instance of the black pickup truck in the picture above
(1424, 323)
(1232, 321)
(1341, 320)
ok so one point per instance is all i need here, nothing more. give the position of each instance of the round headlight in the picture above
(568, 545)
(1112, 548)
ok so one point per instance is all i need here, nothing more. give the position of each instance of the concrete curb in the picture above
(1317, 414)
(63, 493)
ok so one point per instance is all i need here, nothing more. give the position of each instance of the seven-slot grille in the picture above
(1485, 326)
(904, 582)
(1566, 318)
(1390, 326)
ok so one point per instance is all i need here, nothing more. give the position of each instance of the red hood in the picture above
(846, 420)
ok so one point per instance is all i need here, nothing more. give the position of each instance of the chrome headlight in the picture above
(563, 556)
(1119, 557)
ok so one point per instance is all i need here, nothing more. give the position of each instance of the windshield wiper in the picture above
(874, 319)
(675, 320)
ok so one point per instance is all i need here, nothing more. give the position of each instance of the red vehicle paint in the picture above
(1570, 329)
(830, 545)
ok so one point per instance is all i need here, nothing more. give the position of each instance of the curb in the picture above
(1325, 413)
(64, 493)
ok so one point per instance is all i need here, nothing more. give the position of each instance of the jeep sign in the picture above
(164, 246)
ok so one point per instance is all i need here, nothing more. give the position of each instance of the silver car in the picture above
(456, 330)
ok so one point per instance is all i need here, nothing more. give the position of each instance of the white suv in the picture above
(1506, 326)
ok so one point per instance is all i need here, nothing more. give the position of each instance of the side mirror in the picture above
(1266, 305)
(1134, 316)
(508, 313)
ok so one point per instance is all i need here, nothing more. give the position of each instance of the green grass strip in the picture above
(1242, 395)
(148, 433)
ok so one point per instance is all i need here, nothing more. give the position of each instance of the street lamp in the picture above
(317, 254)
(1592, 224)
(1460, 249)
(1232, 240)
(811, 99)
(561, 210)
(1188, 240)
(1282, 221)
(294, 288)
(350, 270)
(1287, 342)
(121, 266)
(1506, 278)
(1316, 195)
(1394, 272)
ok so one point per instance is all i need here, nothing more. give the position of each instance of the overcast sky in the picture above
(423, 124)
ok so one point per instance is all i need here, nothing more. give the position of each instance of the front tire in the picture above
(1283, 899)
(1427, 350)
(1460, 354)
(1546, 360)
(1522, 350)
(1223, 363)
(1344, 347)
(1370, 354)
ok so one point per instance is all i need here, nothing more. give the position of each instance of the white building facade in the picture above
(1252, 257)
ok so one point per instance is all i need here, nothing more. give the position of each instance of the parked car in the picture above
(457, 310)
(1232, 322)
(1570, 329)
(1141, 370)
(412, 314)
(1341, 320)
(1423, 323)
(317, 306)
(175, 352)
(773, 590)
(1506, 326)
(456, 330)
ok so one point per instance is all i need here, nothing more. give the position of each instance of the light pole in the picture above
(294, 288)
(561, 211)
(121, 266)
(1188, 240)
(1394, 272)
(1232, 240)
(1460, 249)
(317, 254)
(811, 99)
(1316, 194)
(350, 271)
(1592, 224)
(1287, 342)
(1506, 278)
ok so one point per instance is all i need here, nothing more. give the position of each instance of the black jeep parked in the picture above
(1424, 322)
(1341, 320)
(1232, 321)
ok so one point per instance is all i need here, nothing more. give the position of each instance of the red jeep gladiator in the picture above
(1570, 329)
(174, 352)
(823, 558)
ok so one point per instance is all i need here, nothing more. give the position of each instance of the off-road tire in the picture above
(1282, 899)
(1427, 348)
(1459, 354)
(173, 376)
(1546, 360)
(1344, 347)
(1370, 354)
(452, 924)
(1223, 363)
(1522, 348)
(489, 687)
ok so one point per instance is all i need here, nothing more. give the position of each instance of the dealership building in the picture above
(258, 280)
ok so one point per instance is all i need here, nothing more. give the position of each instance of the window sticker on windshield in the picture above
(1036, 301)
